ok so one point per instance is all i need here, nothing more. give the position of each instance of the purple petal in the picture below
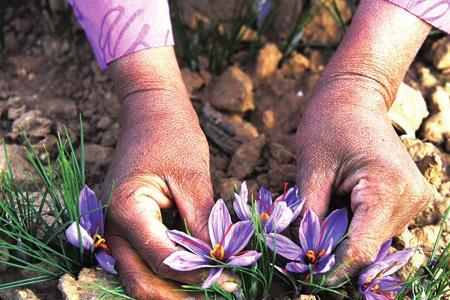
(264, 200)
(373, 296)
(294, 202)
(325, 264)
(189, 242)
(213, 275)
(285, 247)
(240, 204)
(263, 11)
(390, 284)
(73, 237)
(335, 227)
(106, 261)
(91, 213)
(309, 231)
(186, 261)
(396, 261)
(280, 217)
(219, 222)
(245, 259)
(297, 267)
(238, 237)
(384, 250)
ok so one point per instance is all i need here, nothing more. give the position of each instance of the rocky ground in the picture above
(249, 114)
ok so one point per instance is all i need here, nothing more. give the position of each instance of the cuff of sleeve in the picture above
(115, 30)
(434, 12)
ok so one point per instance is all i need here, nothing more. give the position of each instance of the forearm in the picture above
(377, 50)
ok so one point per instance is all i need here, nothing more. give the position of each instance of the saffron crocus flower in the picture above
(263, 9)
(317, 242)
(376, 282)
(90, 233)
(227, 243)
(273, 215)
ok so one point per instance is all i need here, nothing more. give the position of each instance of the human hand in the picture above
(161, 162)
(347, 146)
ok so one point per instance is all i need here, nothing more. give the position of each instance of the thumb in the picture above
(193, 195)
(367, 231)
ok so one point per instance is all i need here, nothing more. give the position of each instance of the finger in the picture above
(372, 224)
(139, 280)
(193, 195)
(315, 185)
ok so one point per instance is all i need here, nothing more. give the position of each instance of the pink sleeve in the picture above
(116, 28)
(434, 12)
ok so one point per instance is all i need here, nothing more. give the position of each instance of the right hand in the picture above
(161, 162)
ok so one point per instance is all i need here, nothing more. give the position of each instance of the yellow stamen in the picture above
(264, 217)
(311, 256)
(218, 252)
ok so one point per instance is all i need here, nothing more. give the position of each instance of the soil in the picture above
(48, 80)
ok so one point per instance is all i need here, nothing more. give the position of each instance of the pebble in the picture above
(246, 158)
(267, 61)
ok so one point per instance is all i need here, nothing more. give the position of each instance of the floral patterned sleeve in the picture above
(116, 28)
(434, 12)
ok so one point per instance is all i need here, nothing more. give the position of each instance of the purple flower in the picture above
(273, 215)
(91, 230)
(263, 9)
(317, 242)
(375, 282)
(227, 242)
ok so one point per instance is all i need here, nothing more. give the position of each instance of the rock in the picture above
(425, 236)
(437, 127)
(268, 118)
(267, 62)
(25, 294)
(111, 135)
(224, 187)
(440, 53)
(281, 173)
(233, 124)
(104, 123)
(47, 144)
(84, 287)
(246, 158)
(16, 112)
(22, 169)
(98, 155)
(426, 157)
(192, 80)
(296, 64)
(33, 123)
(324, 27)
(404, 239)
(60, 107)
(233, 91)
(408, 110)
(281, 154)
(427, 78)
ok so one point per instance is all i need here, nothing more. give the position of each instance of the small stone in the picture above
(224, 187)
(16, 112)
(404, 239)
(440, 100)
(33, 124)
(408, 110)
(296, 64)
(281, 173)
(25, 294)
(281, 154)
(98, 155)
(306, 297)
(425, 235)
(426, 157)
(192, 80)
(22, 169)
(268, 118)
(84, 287)
(233, 124)
(427, 78)
(104, 123)
(437, 127)
(233, 91)
(267, 62)
(61, 107)
(246, 158)
(440, 53)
